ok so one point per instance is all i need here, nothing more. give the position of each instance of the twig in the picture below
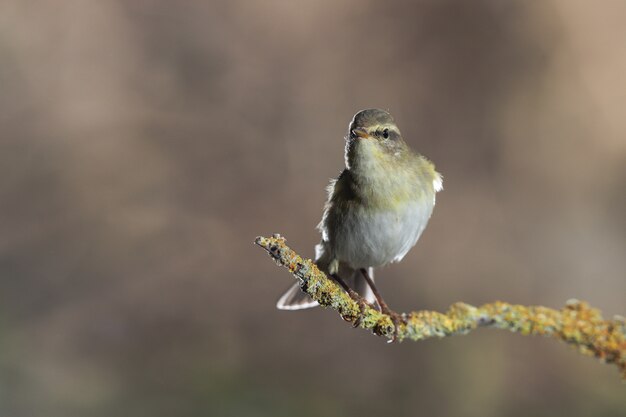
(576, 324)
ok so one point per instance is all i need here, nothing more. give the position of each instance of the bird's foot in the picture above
(362, 305)
(356, 297)
(396, 318)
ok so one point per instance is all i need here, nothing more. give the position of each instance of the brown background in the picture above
(143, 146)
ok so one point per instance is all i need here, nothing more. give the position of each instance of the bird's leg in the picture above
(384, 308)
(355, 296)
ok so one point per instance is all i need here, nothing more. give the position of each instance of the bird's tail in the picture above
(296, 299)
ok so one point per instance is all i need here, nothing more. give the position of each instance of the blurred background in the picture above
(144, 145)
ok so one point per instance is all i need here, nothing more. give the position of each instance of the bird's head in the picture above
(373, 137)
(374, 124)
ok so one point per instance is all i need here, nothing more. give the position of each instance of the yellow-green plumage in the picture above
(377, 208)
(385, 179)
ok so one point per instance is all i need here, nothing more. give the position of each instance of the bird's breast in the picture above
(376, 236)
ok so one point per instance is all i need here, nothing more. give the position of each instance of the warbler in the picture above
(376, 209)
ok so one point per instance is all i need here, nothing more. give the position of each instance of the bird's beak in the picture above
(360, 133)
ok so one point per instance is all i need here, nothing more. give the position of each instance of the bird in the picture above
(376, 210)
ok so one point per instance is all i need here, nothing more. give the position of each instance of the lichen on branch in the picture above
(577, 323)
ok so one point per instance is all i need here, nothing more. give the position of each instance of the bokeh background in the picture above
(144, 145)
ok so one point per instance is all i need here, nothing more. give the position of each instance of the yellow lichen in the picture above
(577, 323)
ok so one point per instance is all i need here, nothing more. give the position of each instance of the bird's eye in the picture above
(386, 133)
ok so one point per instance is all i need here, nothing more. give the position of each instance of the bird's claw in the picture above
(396, 319)
(362, 305)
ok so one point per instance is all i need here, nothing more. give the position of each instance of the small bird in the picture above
(375, 212)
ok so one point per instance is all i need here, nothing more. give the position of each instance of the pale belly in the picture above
(364, 238)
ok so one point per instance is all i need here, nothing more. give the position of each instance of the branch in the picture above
(576, 324)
